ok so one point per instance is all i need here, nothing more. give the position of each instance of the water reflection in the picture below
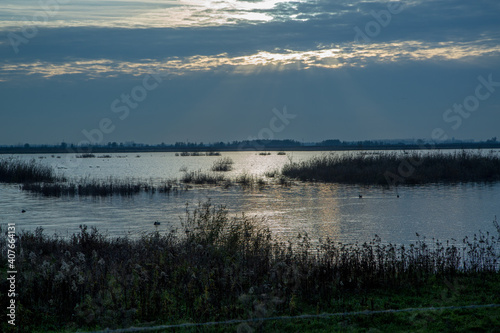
(321, 210)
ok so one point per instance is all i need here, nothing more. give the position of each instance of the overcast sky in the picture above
(165, 71)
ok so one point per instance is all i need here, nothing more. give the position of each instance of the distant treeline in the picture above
(247, 145)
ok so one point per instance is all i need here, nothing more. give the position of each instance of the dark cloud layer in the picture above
(220, 82)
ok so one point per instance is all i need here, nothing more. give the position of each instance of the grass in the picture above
(223, 164)
(199, 177)
(250, 181)
(245, 180)
(393, 168)
(220, 267)
(38, 178)
(210, 153)
(19, 171)
(102, 188)
(86, 155)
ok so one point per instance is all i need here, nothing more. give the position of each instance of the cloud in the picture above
(146, 33)
(332, 57)
(220, 54)
(127, 14)
(210, 13)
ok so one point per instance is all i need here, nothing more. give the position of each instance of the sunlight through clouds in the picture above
(210, 13)
(216, 56)
(129, 14)
(345, 55)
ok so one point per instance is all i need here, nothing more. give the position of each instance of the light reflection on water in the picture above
(321, 210)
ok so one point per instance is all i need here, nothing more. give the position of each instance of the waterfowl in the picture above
(156, 223)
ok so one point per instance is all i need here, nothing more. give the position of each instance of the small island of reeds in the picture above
(223, 164)
(397, 168)
(39, 178)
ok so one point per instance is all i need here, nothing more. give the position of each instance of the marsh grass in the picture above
(38, 178)
(272, 173)
(220, 267)
(102, 188)
(413, 168)
(196, 153)
(244, 180)
(14, 170)
(248, 181)
(199, 177)
(223, 164)
(86, 155)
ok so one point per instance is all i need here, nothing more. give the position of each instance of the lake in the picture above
(320, 210)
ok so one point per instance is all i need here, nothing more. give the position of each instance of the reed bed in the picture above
(210, 153)
(245, 180)
(250, 181)
(103, 188)
(223, 164)
(86, 155)
(385, 168)
(14, 170)
(217, 267)
(38, 178)
(199, 177)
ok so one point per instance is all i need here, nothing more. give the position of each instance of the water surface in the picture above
(321, 210)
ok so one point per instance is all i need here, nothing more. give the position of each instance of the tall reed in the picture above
(13, 170)
(223, 164)
(106, 187)
(413, 168)
(217, 267)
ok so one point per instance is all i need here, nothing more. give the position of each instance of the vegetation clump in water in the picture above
(199, 177)
(223, 164)
(19, 171)
(102, 188)
(395, 168)
(86, 155)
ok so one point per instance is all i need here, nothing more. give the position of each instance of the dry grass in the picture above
(218, 267)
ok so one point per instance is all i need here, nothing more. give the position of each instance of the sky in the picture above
(157, 71)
